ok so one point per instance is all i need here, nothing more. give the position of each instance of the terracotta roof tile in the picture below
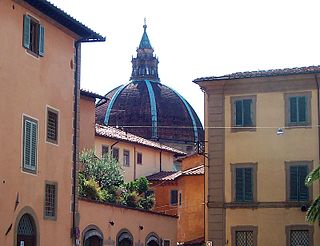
(87, 93)
(263, 73)
(111, 132)
(199, 170)
(172, 175)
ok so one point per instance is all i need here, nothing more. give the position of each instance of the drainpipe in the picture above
(75, 233)
(134, 163)
(160, 160)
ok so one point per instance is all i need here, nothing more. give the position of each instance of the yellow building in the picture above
(39, 81)
(262, 139)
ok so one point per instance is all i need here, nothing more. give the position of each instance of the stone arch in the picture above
(28, 218)
(124, 238)
(152, 239)
(92, 236)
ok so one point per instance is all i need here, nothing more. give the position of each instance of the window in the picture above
(298, 108)
(296, 173)
(244, 235)
(243, 112)
(115, 153)
(104, 150)
(33, 35)
(301, 235)
(180, 198)
(173, 197)
(126, 158)
(50, 200)
(166, 242)
(244, 182)
(52, 125)
(30, 144)
(139, 158)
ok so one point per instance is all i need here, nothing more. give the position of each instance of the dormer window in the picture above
(33, 36)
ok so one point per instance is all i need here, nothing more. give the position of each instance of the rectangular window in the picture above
(104, 150)
(126, 158)
(139, 158)
(33, 35)
(296, 173)
(243, 112)
(300, 235)
(50, 200)
(52, 126)
(115, 153)
(166, 242)
(298, 108)
(30, 144)
(180, 198)
(173, 197)
(244, 182)
(244, 235)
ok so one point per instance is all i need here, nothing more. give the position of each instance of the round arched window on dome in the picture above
(26, 234)
(124, 239)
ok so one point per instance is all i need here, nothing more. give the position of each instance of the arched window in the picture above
(124, 238)
(152, 239)
(92, 236)
(26, 232)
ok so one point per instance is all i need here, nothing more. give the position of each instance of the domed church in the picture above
(148, 108)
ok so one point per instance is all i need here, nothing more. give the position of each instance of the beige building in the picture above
(39, 66)
(262, 139)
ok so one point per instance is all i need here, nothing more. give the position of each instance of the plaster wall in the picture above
(87, 123)
(28, 85)
(124, 218)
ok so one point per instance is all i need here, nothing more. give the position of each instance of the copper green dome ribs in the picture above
(113, 99)
(153, 108)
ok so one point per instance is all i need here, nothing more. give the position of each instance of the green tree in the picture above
(313, 212)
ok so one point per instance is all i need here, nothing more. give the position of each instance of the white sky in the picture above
(195, 39)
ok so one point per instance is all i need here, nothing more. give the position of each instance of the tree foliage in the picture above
(102, 180)
(313, 212)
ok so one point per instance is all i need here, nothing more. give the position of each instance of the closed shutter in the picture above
(247, 112)
(294, 183)
(303, 189)
(238, 113)
(239, 185)
(41, 40)
(248, 186)
(26, 31)
(52, 126)
(302, 108)
(293, 110)
(30, 145)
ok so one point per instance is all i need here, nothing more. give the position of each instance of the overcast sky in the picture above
(195, 39)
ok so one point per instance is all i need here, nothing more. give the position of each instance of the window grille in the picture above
(50, 201)
(299, 238)
(25, 226)
(244, 238)
(52, 126)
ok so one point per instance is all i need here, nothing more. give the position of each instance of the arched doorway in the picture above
(93, 237)
(152, 240)
(26, 232)
(124, 238)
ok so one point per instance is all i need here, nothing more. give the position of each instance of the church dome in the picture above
(148, 108)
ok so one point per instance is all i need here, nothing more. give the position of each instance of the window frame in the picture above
(139, 154)
(103, 146)
(126, 158)
(244, 228)
(45, 216)
(254, 167)
(118, 153)
(38, 36)
(287, 97)
(177, 197)
(237, 128)
(289, 164)
(308, 228)
(26, 168)
(56, 112)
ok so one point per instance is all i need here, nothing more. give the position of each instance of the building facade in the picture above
(38, 94)
(262, 140)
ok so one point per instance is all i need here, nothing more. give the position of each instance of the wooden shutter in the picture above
(30, 145)
(293, 109)
(41, 40)
(294, 183)
(302, 189)
(302, 109)
(26, 31)
(52, 126)
(239, 185)
(247, 117)
(238, 113)
(248, 184)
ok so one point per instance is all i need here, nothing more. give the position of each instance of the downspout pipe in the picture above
(75, 233)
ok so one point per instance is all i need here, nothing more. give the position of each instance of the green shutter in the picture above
(248, 186)
(302, 109)
(293, 109)
(30, 144)
(41, 40)
(239, 196)
(247, 121)
(238, 113)
(294, 183)
(303, 189)
(26, 32)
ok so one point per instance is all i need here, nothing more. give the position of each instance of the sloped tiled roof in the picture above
(171, 175)
(87, 93)
(263, 73)
(112, 132)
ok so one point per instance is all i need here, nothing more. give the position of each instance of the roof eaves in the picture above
(65, 20)
(91, 94)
